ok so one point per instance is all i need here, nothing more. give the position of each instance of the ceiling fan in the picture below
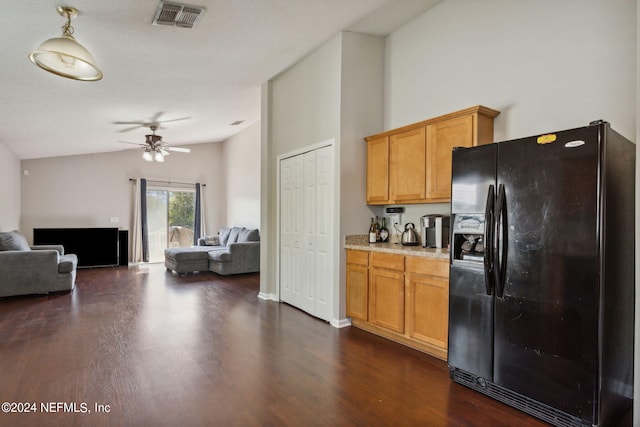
(154, 148)
(153, 121)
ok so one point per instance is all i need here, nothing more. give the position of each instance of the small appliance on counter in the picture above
(410, 236)
(434, 231)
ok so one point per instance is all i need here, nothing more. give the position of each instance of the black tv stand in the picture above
(95, 247)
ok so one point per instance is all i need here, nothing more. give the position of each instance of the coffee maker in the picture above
(434, 231)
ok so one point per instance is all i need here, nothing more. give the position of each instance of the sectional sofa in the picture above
(234, 250)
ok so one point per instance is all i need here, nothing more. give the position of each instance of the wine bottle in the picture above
(384, 233)
(377, 225)
(372, 231)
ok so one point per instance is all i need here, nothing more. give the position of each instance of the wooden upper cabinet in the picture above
(441, 139)
(378, 170)
(412, 164)
(408, 165)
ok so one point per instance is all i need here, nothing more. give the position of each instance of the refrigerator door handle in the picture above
(500, 241)
(488, 241)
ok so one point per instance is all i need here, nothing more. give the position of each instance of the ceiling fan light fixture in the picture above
(158, 157)
(64, 56)
(147, 155)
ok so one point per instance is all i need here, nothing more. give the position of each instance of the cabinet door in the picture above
(441, 139)
(378, 170)
(357, 284)
(428, 300)
(386, 299)
(407, 166)
(357, 291)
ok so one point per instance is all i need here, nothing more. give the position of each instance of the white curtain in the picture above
(136, 232)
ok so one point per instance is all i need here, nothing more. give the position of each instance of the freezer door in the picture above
(546, 309)
(473, 170)
(470, 292)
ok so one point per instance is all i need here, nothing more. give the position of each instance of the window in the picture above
(170, 219)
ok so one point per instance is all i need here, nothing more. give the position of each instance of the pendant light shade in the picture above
(64, 56)
(147, 155)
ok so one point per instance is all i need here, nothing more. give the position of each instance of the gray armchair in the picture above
(28, 269)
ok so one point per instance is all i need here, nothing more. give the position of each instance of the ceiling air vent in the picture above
(178, 15)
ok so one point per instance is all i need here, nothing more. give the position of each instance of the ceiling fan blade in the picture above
(178, 149)
(156, 116)
(164, 152)
(130, 123)
(133, 143)
(138, 126)
(172, 120)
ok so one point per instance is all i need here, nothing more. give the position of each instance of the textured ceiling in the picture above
(211, 74)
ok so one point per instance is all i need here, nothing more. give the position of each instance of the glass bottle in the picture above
(384, 233)
(372, 231)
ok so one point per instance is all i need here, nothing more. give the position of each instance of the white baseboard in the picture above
(342, 323)
(268, 297)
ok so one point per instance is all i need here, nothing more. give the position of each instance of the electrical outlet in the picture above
(114, 219)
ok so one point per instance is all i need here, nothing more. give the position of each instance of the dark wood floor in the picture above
(203, 350)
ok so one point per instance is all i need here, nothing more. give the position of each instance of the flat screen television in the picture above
(95, 247)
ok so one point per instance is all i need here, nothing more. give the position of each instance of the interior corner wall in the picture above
(241, 160)
(546, 65)
(636, 372)
(9, 190)
(90, 190)
(361, 115)
(304, 109)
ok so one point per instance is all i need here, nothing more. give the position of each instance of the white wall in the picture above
(241, 160)
(335, 93)
(361, 114)
(303, 108)
(9, 190)
(86, 190)
(636, 372)
(546, 65)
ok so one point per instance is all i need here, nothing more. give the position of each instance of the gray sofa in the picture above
(234, 250)
(28, 269)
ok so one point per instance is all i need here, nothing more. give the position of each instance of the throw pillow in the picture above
(233, 235)
(13, 241)
(249, 235)
(224, 235)
(211, 240)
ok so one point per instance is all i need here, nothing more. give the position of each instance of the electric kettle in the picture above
(410, 235)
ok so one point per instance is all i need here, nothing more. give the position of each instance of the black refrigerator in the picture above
(541, 298)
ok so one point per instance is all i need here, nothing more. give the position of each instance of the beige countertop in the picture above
(361, 242)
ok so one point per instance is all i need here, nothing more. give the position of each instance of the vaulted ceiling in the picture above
(211, 74)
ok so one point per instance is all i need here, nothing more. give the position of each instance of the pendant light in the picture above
(64, 56)
(147, 156)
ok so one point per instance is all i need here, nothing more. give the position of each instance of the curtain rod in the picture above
(168, 182)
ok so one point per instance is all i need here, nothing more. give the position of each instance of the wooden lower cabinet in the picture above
(386, 291)
(403, 298)
(358, 284)
(427, 300)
